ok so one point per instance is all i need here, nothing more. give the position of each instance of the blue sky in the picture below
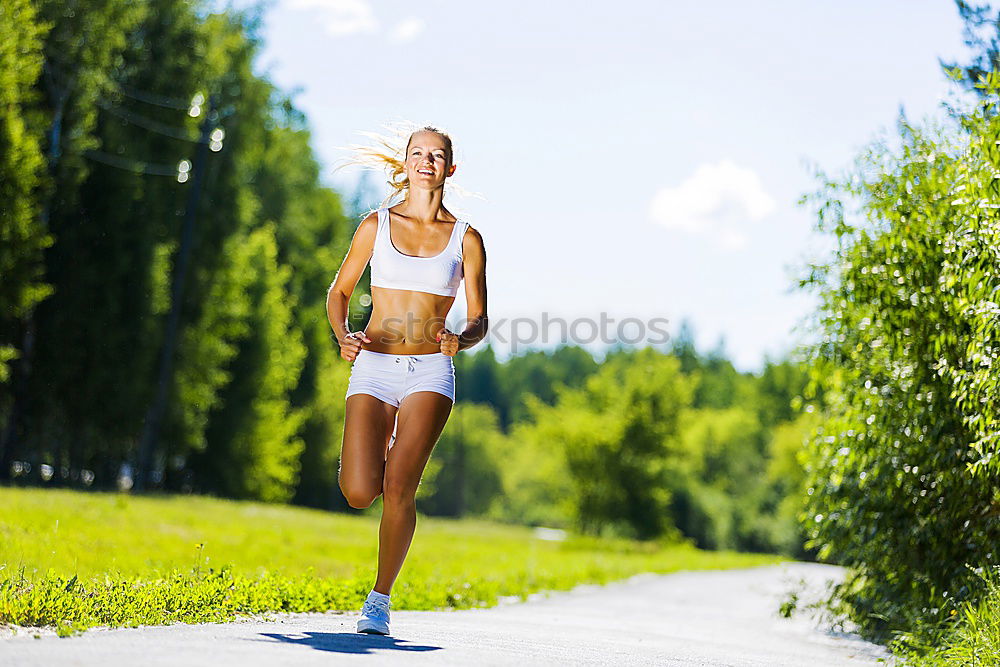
(636, 159)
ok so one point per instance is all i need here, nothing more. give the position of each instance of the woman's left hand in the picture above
(449, 342)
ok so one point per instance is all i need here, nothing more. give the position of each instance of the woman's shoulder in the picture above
(472, 240)
(367, 228)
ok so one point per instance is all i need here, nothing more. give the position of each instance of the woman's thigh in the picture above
(421, 419)
(368, 423)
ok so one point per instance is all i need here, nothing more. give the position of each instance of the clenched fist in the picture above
(449, 342)
(351, 345)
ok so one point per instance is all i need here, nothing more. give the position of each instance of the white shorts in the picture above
(393, 377)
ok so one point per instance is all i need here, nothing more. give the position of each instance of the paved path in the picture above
(686, 618)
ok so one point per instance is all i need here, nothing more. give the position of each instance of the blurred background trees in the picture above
(107, 99)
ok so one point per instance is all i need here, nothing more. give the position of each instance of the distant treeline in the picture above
(648, 443)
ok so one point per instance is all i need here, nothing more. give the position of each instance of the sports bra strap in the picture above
(383, 216)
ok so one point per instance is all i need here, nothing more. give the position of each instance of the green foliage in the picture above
(981, 34)
(902, 476)
(22, 236)
(536, 373)
(74, 389)
(970, 637)
(740, 481)
(970, 272)
(722, 467)
(208, 345)
(626, 452)
(617, 437)
(108, 82)
(463, 474)
(787, 455)
(534, 478)
(781, 392)
(624, 437)
(110, 224)
(252, 443)
(323, 430)
(110, 559)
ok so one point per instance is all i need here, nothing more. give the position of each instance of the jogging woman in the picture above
(402, 384)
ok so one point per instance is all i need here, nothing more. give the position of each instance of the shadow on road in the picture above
(345, 642)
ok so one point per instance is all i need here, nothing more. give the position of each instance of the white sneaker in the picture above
(374, 617)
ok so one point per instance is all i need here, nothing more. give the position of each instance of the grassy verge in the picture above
(77, 560)
(973, 638)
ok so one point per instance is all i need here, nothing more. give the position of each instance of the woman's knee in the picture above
(398, 489)
(358, 496)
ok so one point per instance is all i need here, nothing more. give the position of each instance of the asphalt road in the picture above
(686, 618)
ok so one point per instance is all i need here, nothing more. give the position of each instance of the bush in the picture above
(903, 481)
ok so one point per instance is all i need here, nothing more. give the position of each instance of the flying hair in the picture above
(387, 154)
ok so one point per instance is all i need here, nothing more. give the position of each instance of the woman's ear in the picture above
(451, 170)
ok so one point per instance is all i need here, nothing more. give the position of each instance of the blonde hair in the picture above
(388, 154)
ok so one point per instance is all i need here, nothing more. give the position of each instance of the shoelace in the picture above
(375, 609)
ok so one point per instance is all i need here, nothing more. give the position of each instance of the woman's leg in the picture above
(419, 422)
(367, 427)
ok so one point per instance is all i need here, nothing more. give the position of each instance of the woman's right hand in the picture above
(351, 344)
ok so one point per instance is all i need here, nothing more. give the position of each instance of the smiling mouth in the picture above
(425, 171)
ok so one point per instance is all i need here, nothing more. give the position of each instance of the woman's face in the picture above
(427, 160)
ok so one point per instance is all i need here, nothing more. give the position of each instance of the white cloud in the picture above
(407, 29)
(718, 199)
(342, 17)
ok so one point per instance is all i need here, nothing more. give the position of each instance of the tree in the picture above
(618, 437)
(23, 237)
(22, 169)
(252, 444)
(80, 46)
(982, 35)
(117, 82)
(462, 477)
(901, 477)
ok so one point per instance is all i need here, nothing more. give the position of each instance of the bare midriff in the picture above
(406, 322)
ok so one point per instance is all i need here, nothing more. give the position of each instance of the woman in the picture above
(402, 384)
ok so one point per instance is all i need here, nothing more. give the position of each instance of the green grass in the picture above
(972, 638)
(76, 560)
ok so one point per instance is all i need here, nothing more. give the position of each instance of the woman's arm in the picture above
(474, 266)
(339, 295)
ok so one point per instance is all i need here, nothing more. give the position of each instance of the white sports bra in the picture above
(440, 274)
